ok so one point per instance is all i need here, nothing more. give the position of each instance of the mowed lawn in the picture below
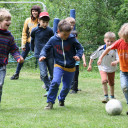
(23, 104)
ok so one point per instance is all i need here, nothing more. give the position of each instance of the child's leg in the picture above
(54, 87)
(44, 74)
(67, 80)
(2, 76)
(104, 82)
(124, 84)
(111, 77)
(50, 65)
(75, 80)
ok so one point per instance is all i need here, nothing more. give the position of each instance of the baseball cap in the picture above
(42, 14)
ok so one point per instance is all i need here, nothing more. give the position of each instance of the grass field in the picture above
(23, 104)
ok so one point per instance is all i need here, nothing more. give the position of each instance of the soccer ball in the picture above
(114, 107)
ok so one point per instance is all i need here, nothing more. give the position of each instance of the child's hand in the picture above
(113, 63)
(76, 58)
(84, 64)
(89, 68)
(42, 58)
(21, 60)
(99, 61)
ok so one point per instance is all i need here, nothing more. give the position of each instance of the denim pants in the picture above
(124, 83)
(2, 76)
(45, 66)
(67, 78)
(24, 55)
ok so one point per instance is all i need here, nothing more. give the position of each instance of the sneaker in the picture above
(61, 103)
(79, 90)
(127, 113)
(45, 95)
(15, 77)
(73, 92)
(105, 100)
(49, 106)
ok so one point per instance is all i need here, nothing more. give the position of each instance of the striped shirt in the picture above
(7, 45)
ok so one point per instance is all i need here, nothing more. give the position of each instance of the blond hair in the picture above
(110, 35)
(4, 13)
(70, 20)
(123, 32)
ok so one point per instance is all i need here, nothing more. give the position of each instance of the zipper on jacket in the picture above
(63, 53)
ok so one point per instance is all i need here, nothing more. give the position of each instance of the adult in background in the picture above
(29, 23)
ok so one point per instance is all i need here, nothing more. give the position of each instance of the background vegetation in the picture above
(93, 18)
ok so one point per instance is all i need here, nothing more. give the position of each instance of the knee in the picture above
(125, 89)
(104, 81)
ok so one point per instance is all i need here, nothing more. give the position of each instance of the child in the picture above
(7, 45)
(72, 21)
(39, 37)
(64, 50)
(29, 23)
(74, 86)
(108, 67)
(122, 48)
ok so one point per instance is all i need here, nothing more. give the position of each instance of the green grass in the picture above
(23, 104)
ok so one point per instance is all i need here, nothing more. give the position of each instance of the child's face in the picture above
(35, 13)
(63, 35)
(5, 23)
(43, 23)
(109, 41)
(72, 25)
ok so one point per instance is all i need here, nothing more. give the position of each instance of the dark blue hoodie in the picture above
(63, 50)
(39, 37)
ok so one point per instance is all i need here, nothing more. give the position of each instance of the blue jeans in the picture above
(24, 55)
(124, 83)
(45, 66)
(2, 76)
(67, 78)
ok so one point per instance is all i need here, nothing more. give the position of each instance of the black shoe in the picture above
(73, 92)
(49, 106)
(61, 103)
(127, 113)
(15, 77)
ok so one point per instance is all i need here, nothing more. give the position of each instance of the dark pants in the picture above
(24, 55)
(74, 85)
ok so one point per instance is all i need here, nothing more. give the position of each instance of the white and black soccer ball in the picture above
(114, 107)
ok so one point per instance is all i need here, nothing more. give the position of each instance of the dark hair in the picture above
(45, 18)
(74, 32)
(37, 8)
(64, 26)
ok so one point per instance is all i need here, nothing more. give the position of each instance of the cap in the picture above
(42, 14)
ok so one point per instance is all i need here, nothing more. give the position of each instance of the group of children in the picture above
(60, 52)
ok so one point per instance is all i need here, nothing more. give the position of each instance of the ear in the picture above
(58, 30)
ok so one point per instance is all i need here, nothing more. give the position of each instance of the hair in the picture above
(4, 13)
(64, 26)
(70, 20)
(45, 18)
(123, 32)
(110, 35)
(37, 8)
(75, 33)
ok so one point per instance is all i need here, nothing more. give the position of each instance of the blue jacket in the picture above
(39, 37)
(63, 50)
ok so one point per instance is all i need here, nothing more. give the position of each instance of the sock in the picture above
(106, 95)
(112, 96)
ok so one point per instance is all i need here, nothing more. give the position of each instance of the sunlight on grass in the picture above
(23, 104)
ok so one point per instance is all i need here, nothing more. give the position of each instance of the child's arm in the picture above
(103, 54)
(84, 61)
(77, 58)
(90, 65)
(114, 63)
(32, 44)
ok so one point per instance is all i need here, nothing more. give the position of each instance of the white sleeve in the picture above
(117, 57)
